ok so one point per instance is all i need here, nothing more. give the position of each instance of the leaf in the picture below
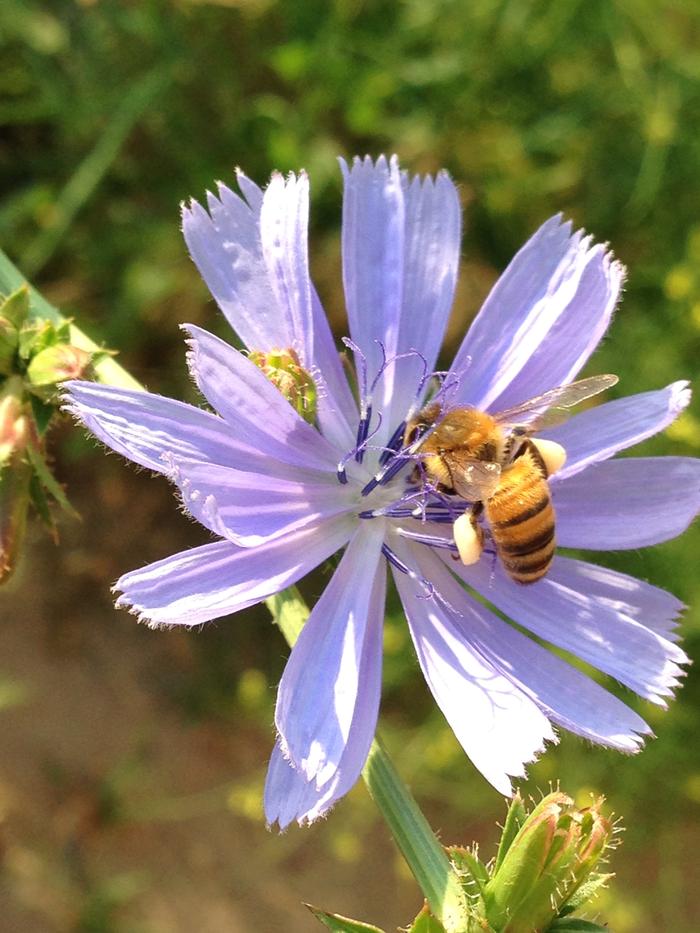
(426, 923)
(289, 611)
(345, 924)
(49, 482)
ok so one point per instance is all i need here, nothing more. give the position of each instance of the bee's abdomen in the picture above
(521, 518)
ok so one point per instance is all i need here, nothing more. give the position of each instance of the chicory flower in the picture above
(282, 495)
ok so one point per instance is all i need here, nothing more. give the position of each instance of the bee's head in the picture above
(421, 422)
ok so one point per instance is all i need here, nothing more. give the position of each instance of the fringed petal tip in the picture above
(367, 163)
(507, 783)
(681, 394)
(288, 797)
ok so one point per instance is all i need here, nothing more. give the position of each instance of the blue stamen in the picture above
(431, 540)
(362, 432)
(341, 474)
(394, 560)
(392, 468)
(395, 442)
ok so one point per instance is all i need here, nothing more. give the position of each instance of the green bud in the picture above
(57, 363)
(13, 313)
(284, 370)
(553, 854)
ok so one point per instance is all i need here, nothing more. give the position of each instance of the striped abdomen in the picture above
(521, 518)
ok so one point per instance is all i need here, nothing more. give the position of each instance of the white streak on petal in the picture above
(324, 679)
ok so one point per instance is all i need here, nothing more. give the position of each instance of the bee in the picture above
(494, 463)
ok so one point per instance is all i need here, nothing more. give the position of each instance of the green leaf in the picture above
(343, 924)
(426, 923)
(42, 412)
(49, 482)
(289, 611)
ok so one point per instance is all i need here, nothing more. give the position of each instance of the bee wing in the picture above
(538, 411)
(474, 480)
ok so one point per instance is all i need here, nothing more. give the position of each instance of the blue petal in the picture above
(497, 724)
(542, 320)
(332, 678)
(635, 599)
(254, 259)
(217, 579)
(289, 795)
(401, 243)
(563, 610)
(603, 430)
(564, 694)
(627, 503)
(251, 508)
(145, 427)
(253, 406)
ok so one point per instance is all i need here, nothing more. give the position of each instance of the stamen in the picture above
(362, 432)
(341, 474)
(359, 451)
(430, 540)
(395, 442)
(404, 568)
(361, 366)
(382, 367)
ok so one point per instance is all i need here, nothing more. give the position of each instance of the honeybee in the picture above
(494, 462)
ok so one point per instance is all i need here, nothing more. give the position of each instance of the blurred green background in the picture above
(133, 761)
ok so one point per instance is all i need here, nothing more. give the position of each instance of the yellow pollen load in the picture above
(553, 454)
(467, 539)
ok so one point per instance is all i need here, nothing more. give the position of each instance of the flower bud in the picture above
(552, 855)
(284, 370)
(58, 362)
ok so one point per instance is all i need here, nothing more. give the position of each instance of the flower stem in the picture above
(412, 833)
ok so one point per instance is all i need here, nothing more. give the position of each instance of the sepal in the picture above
(343, 924)
(425, 922)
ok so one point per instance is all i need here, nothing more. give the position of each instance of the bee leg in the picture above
(553, 455)
(469, 536)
